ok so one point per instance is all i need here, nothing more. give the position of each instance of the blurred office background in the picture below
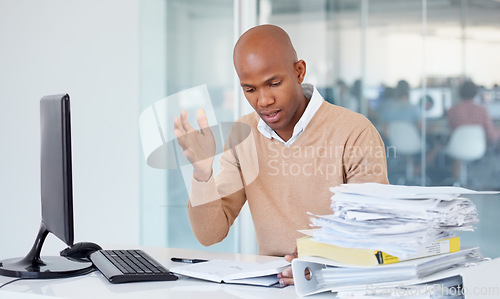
(117, 57)
(357, 52)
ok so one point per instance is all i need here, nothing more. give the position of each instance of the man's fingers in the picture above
(178, 129)
(287, 273)
(180, 133)
(185, 124)
(286, 281)
(202, 119)
(290, 257)
(286, 277)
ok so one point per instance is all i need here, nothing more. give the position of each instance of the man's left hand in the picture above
(286, 276)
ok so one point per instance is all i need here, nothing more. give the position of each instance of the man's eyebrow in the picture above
(246, 85)
(275, 77)
(272, 79)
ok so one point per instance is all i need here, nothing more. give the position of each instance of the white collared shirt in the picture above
(315, 101)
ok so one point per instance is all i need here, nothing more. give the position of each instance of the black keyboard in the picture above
(129, 265)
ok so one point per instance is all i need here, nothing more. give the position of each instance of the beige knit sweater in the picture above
(282, 184)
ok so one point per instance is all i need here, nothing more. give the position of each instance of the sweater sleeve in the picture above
(214, 205)
(364, 157)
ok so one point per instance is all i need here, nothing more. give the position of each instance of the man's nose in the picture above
(266, 98)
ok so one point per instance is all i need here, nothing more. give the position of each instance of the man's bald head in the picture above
(271, 77)
(266, 41)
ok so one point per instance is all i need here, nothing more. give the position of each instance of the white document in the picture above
(398, 220)
(328, 275)
(226, 271)
(406, 192)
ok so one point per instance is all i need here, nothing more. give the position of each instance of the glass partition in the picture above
(394, 72)
(184, 44)
(400, 63)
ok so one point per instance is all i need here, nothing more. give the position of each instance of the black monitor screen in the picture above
(56, 198)
(56, 181)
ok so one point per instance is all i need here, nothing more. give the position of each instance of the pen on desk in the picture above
(190, 261)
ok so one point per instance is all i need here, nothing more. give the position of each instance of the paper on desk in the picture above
(457, 213)
(229, 271)
(447, 285)
(383, 227)
(405, 270)
(402, 245)
(395, 226)
(457, 274)
(398, 220)
(406, 192)
(384, 202)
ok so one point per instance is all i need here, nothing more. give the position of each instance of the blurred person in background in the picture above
(467, 112)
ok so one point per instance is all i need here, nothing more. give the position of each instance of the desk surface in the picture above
(95, 285)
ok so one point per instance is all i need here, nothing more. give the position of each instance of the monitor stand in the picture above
(32, 266)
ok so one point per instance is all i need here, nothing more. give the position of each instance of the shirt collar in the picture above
(314, 103)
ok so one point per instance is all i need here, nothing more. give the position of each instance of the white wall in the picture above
(88, 49)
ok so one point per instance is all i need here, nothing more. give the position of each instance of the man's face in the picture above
(273, 87)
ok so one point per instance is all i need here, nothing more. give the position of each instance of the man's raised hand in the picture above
(199, 146)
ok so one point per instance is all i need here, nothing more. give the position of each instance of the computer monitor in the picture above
(437, 100)
(56, 198)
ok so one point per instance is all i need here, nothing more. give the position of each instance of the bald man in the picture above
(283, 157)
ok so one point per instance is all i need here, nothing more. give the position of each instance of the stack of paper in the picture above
(348, 250)
(432, 276)
(398, 220)
(366, 257)
(407, 270)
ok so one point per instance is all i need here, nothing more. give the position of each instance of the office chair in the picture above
(404, 136)
(467, 143)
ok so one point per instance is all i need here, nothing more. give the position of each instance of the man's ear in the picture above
(300, 68)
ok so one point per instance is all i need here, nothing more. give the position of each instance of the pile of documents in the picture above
(403, 271)
(398, 220)
(442, 271)
(387, 236)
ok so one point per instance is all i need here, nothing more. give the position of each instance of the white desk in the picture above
(95, 285)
